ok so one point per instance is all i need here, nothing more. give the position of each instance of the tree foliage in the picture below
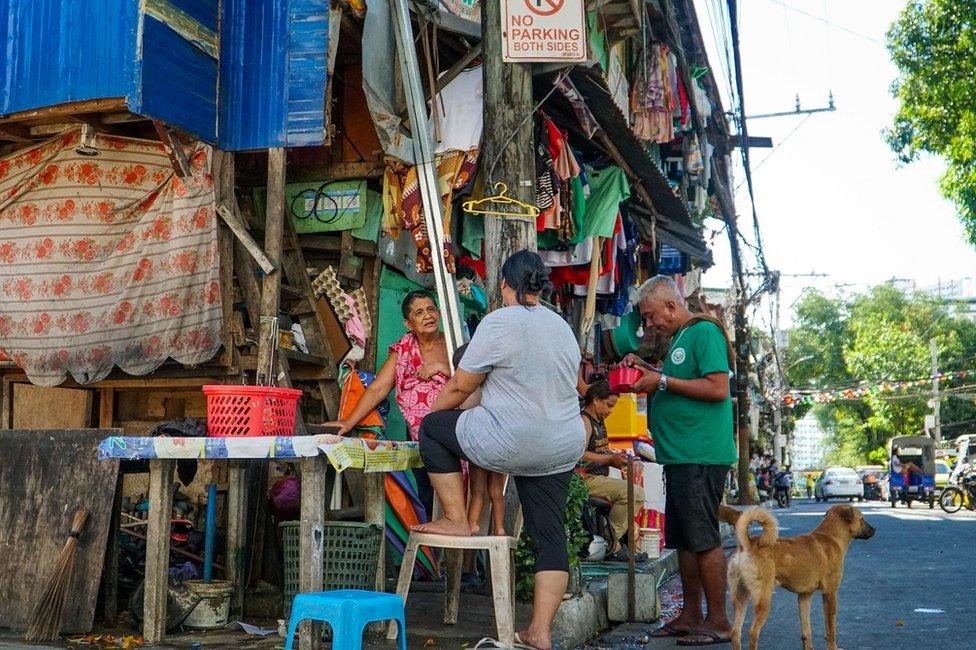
(933, 45)
(878, 337)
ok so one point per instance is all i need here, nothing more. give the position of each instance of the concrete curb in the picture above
(581, 618)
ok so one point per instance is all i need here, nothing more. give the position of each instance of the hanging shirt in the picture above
(460, 106)
(608, 189)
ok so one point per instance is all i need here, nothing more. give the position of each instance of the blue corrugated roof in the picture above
(65, 51)
(272, 70)
(273, 73)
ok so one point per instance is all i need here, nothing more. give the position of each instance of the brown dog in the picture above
(802, 564)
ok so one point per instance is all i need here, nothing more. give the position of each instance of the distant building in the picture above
(809, 444)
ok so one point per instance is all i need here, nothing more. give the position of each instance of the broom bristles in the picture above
(45, 621)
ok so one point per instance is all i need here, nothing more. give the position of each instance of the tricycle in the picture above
(916, 481)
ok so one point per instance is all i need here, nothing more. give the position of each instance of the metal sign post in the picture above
(427, 174)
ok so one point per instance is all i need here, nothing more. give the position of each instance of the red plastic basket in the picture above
(249, 411)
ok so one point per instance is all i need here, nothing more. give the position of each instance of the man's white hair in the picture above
(661, 287)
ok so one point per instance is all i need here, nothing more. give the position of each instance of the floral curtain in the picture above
(106, 260)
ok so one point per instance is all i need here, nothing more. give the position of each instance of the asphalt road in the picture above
(919, 559)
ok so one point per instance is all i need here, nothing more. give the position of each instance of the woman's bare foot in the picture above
(534, 640)
(445, 526)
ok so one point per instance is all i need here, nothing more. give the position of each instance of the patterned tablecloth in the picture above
(368, 455)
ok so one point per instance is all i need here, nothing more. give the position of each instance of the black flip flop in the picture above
(712, 639)
(669, 631)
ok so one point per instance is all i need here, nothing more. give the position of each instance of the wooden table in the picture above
(374, 457)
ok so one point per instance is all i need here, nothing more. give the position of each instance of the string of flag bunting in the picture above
(798, 397)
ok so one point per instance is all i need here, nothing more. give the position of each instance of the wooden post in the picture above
(631, 546)
(589, 307)
(7, 404)
(312, 541)
(371, 285)
(236, 525)
(273, 242)
(508, 147)
(110, 578)
(376, 514)
(157, 549)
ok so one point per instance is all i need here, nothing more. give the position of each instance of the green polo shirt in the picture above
(686, 430)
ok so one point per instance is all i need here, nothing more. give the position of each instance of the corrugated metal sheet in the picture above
(179, 82)
(273, 73)
(59, 51)
(272, 69)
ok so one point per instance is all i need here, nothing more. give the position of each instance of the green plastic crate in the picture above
(350, 556)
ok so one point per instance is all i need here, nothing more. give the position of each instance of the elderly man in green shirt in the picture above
(691, 422)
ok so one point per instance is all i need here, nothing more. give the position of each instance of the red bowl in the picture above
(623, 379)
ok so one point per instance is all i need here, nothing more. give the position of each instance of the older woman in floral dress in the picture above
(417, 367)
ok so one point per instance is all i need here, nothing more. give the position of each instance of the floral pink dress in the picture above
(413, 394)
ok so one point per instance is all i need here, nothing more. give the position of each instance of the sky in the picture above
(831, 198)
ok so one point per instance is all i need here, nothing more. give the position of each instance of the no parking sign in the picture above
(543, 30)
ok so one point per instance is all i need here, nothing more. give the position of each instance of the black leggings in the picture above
(543, 498)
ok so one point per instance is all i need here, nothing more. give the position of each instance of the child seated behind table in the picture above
(480, 480)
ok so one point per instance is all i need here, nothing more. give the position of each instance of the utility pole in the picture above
(936, 402)
(779, 442)
(743, 340)
(508, 153)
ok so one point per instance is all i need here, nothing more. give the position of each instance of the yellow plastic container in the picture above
(628, 419)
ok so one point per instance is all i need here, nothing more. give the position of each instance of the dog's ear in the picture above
(847, 514)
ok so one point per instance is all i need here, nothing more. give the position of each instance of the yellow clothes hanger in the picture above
(501, 198)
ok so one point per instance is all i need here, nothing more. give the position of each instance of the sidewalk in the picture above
(578, 622)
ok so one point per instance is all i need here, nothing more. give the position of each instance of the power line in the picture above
(827, 22)
(775, 148)
(744, 131)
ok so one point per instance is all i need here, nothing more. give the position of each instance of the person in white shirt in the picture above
(905, 468)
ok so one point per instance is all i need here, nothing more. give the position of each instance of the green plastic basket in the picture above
(350, 553)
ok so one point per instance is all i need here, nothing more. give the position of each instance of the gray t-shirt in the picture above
(528, 423)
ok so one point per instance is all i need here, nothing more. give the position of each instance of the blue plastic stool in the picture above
(348, 611)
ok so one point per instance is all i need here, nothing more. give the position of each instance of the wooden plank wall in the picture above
(45, 476)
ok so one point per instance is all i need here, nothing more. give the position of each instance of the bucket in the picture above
(650, 542)
(213, 610)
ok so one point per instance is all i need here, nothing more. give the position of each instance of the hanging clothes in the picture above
(461, 111)
(652, 97)
(607, 282)
(608, 189)
(580, 274)
(403, 206)
(545, 184)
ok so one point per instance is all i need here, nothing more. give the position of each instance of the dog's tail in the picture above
(759, 516)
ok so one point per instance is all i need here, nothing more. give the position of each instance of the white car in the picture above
(839, 482)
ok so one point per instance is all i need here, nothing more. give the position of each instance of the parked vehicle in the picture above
(942, 472)
(960, 495)
(873, 477)
(839, 482)
(965, 455)
(911, 486)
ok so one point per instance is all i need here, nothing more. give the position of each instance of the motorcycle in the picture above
(872, 491)
(783, 489)
(960, 495)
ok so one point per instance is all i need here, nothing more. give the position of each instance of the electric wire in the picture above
(777, 146)
(827, 22)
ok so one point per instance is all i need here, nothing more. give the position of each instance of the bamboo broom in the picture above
(45, 621)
